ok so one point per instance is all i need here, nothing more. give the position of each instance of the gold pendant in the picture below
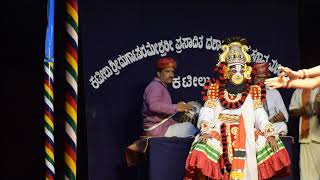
(235, 99)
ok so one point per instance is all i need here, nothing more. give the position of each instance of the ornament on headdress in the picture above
(235, 53)
(247, 71)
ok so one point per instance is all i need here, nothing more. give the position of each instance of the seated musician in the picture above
(158, 108)
(274, 105)
(237, 140)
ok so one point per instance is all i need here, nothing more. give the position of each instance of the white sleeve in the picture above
(206, 119)
(295, 100)
(261, 119)
(280, 104)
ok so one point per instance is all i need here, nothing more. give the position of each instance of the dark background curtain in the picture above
(23, 50)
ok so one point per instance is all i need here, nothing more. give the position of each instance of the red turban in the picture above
(261, 69)
(166, 62)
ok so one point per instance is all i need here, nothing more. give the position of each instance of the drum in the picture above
(191, 115)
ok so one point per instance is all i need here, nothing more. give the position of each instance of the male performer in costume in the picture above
(305, 106)
(274, 104)
(158, 108)
(236, 140)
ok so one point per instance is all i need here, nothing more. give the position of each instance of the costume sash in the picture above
(305, 120)
(239, 155)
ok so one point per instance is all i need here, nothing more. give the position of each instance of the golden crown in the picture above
(234, 53)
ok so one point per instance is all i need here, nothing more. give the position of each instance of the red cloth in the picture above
(166, 62)
(277, 165)
(262, 69)
(198, 160)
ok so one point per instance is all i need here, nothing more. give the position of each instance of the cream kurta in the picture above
(275, 104)
(309, 147)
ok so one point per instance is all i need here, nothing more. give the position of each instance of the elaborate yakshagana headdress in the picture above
(234, 52)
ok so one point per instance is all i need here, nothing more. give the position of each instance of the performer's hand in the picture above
(290, 73)
(204, 137)
(183, 107)
(273, 143)
(276, 82)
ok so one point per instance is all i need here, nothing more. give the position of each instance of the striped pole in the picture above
(71, 55)
(48, 94)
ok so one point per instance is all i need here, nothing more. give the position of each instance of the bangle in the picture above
(287, 83)
(288, 86)
(305, 72)
(302, 74)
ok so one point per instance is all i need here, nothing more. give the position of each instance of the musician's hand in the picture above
(316, 104)
(204, 137)
(279, 117)
(273, 143)
(183, 107)
(307, 110)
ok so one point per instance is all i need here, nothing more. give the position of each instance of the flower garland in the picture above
(229, 103)
(227, 100)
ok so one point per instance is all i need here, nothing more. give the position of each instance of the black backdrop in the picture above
(116, 72)
(22, 87)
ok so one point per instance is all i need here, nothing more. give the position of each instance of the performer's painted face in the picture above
(166, 75)
(236, 74)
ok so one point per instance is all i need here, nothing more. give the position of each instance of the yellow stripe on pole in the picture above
(70, 162)
(72, 62)
(47, 89)
(48, 121)
(72, 12)
(49, 153)
(71, 112)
